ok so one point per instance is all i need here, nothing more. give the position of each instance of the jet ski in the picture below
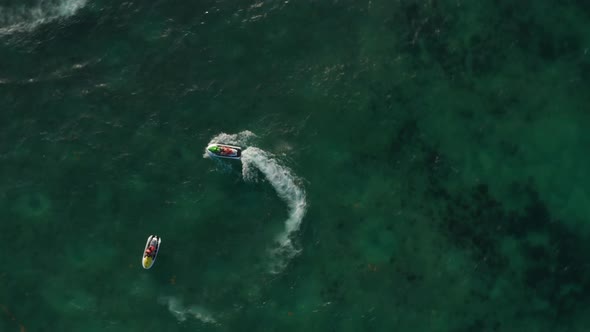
(149, 256)
(224, 151)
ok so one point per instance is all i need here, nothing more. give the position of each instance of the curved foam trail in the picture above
(27, 18)
(182, 313)
(284, 183)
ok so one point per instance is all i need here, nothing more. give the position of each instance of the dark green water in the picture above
(431, 158)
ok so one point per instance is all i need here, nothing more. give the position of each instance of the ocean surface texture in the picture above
(408, 165)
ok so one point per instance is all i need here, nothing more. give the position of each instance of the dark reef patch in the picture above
(556, 268)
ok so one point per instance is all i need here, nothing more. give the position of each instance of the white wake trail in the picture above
(285, 185)
(181, 312)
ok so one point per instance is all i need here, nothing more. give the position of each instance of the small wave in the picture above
(26, 18)
(182, 313)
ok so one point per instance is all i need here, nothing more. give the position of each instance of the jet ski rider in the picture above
(151, 251)
(226, 151)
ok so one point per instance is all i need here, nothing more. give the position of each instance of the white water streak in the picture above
(25, 18)
(182, 313)
(285, 184)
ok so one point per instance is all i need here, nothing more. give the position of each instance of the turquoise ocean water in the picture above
(409, 165)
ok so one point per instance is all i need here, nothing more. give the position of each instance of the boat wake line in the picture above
(182, 312)
(285, 184)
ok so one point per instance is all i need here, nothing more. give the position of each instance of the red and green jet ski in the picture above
(224, 151)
